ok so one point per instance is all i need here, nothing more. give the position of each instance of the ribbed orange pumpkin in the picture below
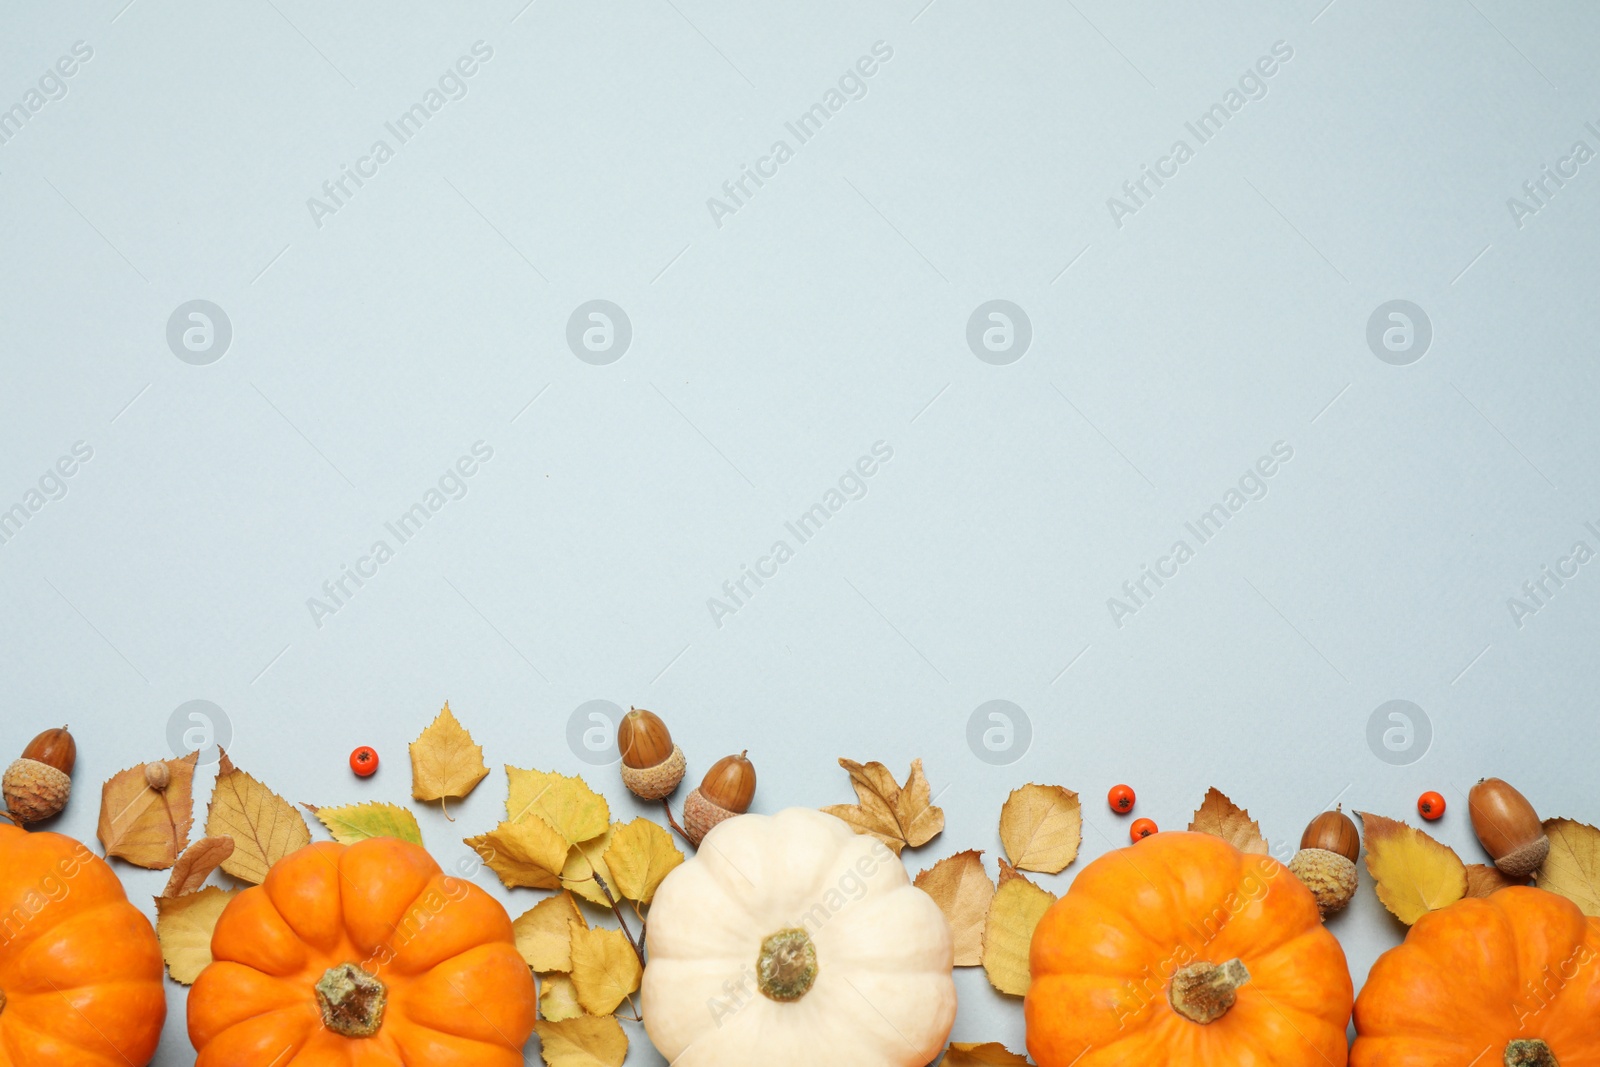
(363, 955)
(1185, 952)
(1511, 979)
(80, 969)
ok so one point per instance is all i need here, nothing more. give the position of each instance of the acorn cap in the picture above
(658, 782)
(1330, 877)
(34, 791)
(700, 815)
(1522, 862)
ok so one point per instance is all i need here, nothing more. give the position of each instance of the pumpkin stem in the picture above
(352, 1001)
(1529, 1052)
(787, 965)
(1203, 992)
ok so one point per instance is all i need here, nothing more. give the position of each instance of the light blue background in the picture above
(769, 353)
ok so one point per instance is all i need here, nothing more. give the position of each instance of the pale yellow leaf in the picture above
(963, 891)
(587, 1041)
(184, 925)
(605, 969)
(445, 761)
(1017, 907)
(898, 816)
(1572, 869)
(1221, 817)
(543, 936)
(572, 809)
(1041, 827)
(1414, 873)
(987, 1054)
(147, 827)
(584, 862)
(264, 827)
(558, 998)
(640, 855)
(527, 853)
(196, 865)
(358, 822)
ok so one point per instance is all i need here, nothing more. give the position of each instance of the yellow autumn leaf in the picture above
(184, 925)
(963, 891)
(445, 761)
(605, 969)
(587, 1041)
(264, 827)
(145, 826)
(558, 998)
(1572, 869)
(572, 809)
(196, 865)
(1041, 827)
(527, 853)
(585, 863)
(639, 857)
(543, 936)
(1221, 817)
(357, 822)
(1414, 873)
(894, 814)
(1017, 907)
(987, 1054)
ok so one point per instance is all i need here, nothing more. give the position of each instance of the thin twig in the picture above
(617, 911)
(674, 822)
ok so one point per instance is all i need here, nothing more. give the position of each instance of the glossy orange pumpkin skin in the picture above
(80, 968)
(459, 994)
(1103, 956)
(1471, 977)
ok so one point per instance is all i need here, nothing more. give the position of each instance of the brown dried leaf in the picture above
(145, 827)
(1041, 827)
(1017, 907)
(543, 935)
(1572, 869)
(1483, 879)
(988, 1054)
(184, 925)
(264, 827)
(445, 762)
(1414, 873)
(605, 969)
(963, 891)
(898, 816)
(196, 865)
(587, 1041)
(1221, 817)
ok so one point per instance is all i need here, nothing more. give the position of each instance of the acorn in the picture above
(1326, 862)
(652, 766)
(1508, 828)
(37, 785)
(726, 791)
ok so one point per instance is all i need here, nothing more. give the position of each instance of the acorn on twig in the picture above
(652, 766)
(726, 791)
(1508, 828)
(38, 785)
(1326, 862)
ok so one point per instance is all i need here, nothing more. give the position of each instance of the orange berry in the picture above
(364, 761)
(1430, 805)
(1141, 829)
(1121, 799)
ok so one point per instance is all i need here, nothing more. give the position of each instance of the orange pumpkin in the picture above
(1511, 979)
(364, 955)
(1181, 950)
(80, 969)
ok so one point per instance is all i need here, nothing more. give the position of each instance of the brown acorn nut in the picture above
(1508, 828)
(726, 791)
(1326, 860)
(652, 766)
(38, 785)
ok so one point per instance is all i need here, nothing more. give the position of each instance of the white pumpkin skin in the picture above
(882, 996)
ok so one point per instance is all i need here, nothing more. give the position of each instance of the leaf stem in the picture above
(638, 950)
(672, 822)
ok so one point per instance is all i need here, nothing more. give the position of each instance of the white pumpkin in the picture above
(792, 941)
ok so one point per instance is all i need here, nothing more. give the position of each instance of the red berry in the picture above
(364, 761)
(1121, 799)
(1430, 805)
(1141, 829)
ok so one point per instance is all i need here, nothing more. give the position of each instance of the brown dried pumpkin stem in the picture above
(1203, 992)
(352, 1001)
(786, 967)
(1529, 1052)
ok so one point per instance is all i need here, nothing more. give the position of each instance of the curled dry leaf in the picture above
(1041, 827)
(147, 827)
(898, 816)
(1017, 907)
(543, 935)
(1572, 869)
(1414, 873)
(445, 761)
(264, 827)
(567, 805)
(640, 855)
(184, 925)
(585, 866)
(587, 1041)
(196, 865)
(526, 853)
(357, 822)
(987, 1054)
(558, 998)
(1221, 817)
(1483, 879)
(605, 969)
(963, 891)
